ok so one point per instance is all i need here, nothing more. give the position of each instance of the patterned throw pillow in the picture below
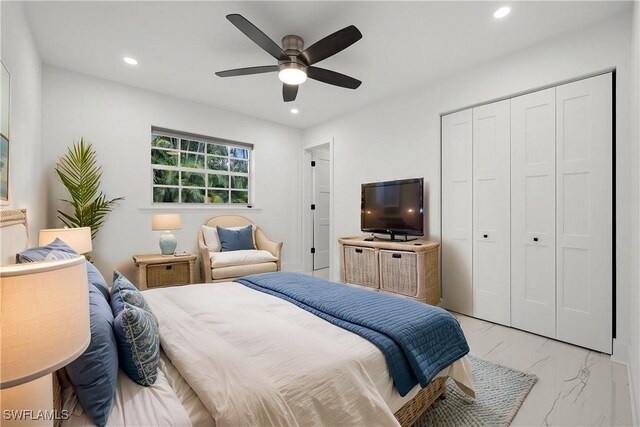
(120, 283)
(138, 340)
(40, 253)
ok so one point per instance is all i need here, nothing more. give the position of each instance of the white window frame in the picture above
(179, 136)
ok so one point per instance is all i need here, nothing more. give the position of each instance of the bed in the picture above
(268, 362)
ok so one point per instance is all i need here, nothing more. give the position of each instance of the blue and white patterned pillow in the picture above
(138, 341)
(121, 283)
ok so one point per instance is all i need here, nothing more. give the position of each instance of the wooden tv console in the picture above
(409, 269)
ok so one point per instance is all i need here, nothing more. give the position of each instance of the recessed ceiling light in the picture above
(294, 111)
(502, 12)
(129, 60)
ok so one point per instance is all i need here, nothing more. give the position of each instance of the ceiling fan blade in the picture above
(289, 92)
(257, 36)
(332, 78)
(331, 44)
(247, 71)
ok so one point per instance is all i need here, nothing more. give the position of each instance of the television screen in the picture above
(393, 207)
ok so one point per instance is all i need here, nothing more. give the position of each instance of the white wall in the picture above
(19, 54)
(400, 137)
(634, 347)
(117, 119)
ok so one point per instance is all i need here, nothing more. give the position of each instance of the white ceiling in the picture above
(179, 45)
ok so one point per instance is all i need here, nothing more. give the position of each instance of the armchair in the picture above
(229, 272)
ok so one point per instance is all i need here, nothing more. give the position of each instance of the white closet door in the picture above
(533, 212)
(585, 216)
(456, 211)
(491, 212)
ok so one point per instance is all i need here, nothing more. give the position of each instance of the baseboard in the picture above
(620, 352)
(621, 355)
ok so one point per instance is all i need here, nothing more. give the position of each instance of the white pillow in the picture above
(212, 240)
(242, 257)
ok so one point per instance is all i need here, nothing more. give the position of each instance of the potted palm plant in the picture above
(80, 174)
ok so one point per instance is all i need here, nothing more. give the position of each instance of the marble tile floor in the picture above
(576, 387)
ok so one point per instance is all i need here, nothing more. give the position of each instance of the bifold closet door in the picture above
(491, 212)
(533, 212)
(585, 214)
(456, 211)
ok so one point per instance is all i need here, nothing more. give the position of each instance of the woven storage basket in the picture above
(168, 274)
(413, 409)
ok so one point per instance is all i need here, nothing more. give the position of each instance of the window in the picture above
(189, 168)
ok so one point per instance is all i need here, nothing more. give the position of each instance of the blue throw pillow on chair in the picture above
(236, 240)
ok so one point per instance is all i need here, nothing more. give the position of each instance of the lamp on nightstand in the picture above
(166, 222)
(78, 239)
(44, 325)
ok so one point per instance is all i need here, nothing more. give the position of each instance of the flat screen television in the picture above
(393, 207)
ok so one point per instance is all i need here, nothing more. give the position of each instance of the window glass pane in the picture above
(220, 150)
(163, 141)
(239, 166)
(165, 177)
(192, 179)
(188, 160)
(218, 163)
(239, 197)
(165, 195)
(220, 181)
(188, 145)
(164, 157)
(192, 195)
(240, 153)
(240, 182)
(218, 196)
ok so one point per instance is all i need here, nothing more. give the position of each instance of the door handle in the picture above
(485, 236)
(535, 239)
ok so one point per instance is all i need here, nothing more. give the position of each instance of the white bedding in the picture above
(229, 343)
(134, 405)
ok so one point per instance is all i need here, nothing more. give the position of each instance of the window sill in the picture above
(194, 206)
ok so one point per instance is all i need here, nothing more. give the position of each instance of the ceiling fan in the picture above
(294, 63)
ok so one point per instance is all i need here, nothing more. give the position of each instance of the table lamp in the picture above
(167, 222)
(44, 325)
(78, 239)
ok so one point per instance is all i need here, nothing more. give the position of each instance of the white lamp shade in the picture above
(44, 319)
(166, 222)
(78, 239)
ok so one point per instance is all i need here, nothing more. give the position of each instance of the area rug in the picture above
(500, 392)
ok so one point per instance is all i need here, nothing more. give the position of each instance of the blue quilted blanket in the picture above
(417, 340)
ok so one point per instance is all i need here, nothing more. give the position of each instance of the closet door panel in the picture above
(456, 211)
(491, 212)
(585, 215)
(533, 212)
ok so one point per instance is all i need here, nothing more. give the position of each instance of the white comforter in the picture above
(254, 359)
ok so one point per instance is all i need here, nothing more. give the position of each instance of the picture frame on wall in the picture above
(5, 107)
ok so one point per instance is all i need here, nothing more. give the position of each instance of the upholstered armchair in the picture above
(216, 266)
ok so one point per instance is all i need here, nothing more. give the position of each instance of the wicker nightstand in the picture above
(156, 270)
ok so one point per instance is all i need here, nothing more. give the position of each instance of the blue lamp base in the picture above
(168, 244)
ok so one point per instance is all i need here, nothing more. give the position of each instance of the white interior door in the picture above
(456, 211)
(491, 212)
(321, 213)
(585, 214)
(533, 212)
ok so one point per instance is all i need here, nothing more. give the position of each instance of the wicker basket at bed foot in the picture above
(413, 409)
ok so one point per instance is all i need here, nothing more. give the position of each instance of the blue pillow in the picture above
(40, 253)
(93, 275)
(94, 374)
(236, 240)
(120, 283)
(138, 340)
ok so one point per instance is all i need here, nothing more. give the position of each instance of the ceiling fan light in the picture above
(292, 74)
